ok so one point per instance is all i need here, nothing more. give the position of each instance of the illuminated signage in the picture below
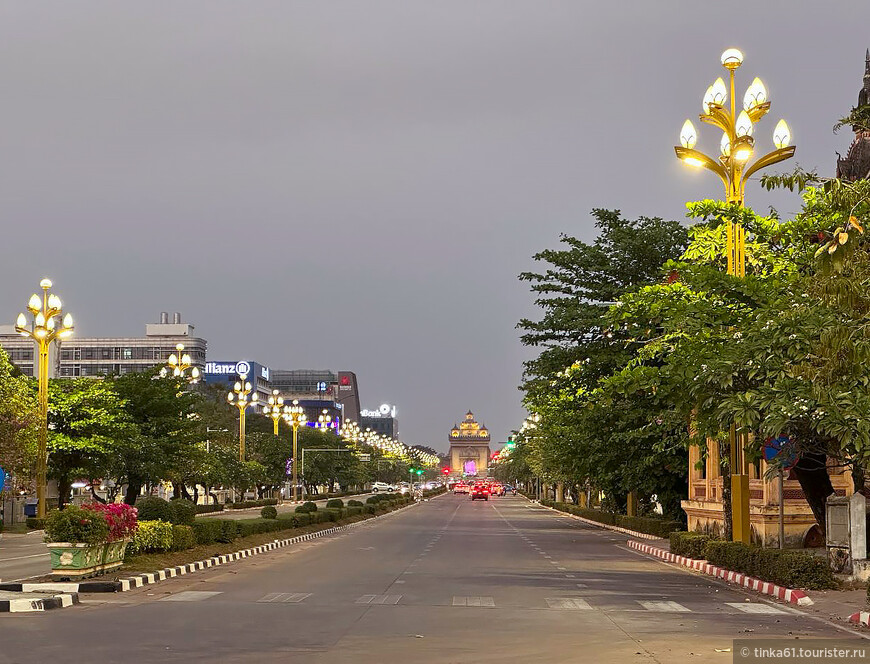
(233, 368)
(386, 410)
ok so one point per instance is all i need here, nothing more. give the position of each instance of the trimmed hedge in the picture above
(151, 536)
(354, 510)
(34, 523)
(793, 569)
(244, 504)
(208, 509)
(269, 512)
(152, 508)
(690, 545)
(229, 530)
(207, 531)
(183, 511)
(354, 503)
(182, 538)
(307, 507)
(334, 502)
(643, 524)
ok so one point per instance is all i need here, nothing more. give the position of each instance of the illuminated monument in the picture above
(469, 447)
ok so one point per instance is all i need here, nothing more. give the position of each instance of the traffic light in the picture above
(446, 471)
(419, 471)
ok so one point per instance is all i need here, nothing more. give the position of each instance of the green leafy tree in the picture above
(18, 421)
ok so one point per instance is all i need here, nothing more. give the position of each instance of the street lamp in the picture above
(324, 420)
(43, 329)
(178, 364)
(274, 409)
(239, 398)
(736, 147)
(295, 416)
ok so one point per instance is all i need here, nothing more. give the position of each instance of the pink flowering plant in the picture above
(120, 517)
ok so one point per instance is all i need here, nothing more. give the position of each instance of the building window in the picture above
(128, 353)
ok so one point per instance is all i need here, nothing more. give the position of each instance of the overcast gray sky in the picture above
(356, 184)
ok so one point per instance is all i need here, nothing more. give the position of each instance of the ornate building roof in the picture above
(856, 164)
(469, 430)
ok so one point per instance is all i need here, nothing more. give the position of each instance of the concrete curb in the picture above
(150, 578)
(790, 595)
(860, 618)
(606, 526)
(26, 605)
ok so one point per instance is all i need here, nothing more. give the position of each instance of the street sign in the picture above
(2, 478)
(779, 448)
(365, 457)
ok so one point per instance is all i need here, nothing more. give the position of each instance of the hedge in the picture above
(793, 569)
(334, 502)
(354, 503)
(307, 507)
(182, 537)
(183, 511)
(690, 545)
(152, 508)
(208, 509)
(643, 524)
(269, 512)
(34, 523)
(207, 531)
(244, 504)
(151, 536)
(229, 530)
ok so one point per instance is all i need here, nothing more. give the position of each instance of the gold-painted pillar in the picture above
(631, 504)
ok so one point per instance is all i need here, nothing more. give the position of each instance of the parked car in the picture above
(382, 486)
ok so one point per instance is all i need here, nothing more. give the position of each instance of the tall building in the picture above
(95, 356)
(333, 390)
(227, 373)
(381, 420)
(469, 448)
(856, 164)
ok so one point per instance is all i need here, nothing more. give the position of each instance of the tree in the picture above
(18, 421)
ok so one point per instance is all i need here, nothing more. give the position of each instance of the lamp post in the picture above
(274, 409)
(178, 364)
(324, 420)
(43, 329)
(239, 398)
(295, 417)
(732, 167)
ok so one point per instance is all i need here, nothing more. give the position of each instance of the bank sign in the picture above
(234, 368)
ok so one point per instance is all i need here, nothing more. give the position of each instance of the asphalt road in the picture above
(448, 580)
(25, 556)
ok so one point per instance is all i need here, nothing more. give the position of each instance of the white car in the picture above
(382, 486)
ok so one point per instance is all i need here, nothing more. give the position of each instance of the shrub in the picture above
(244, 504)
(182, 538)
(690, 545)
(152, 508)
(207, 509)
(258, 526)
(354, 510)
(332, 514)
(368, 509)
(120, 517)
(76, 525)
(151, 536)
(35, 524)
(354, 503)
(793, 569)
(229, 530)
(307, 507)
(302, 519)
(269, 512)
(207, 531)
(183, 511)
(335, 502)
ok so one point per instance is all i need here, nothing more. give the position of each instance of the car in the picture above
(382, 486)
(480, 491)
(460, 488)
(496, 489)
(507, 488)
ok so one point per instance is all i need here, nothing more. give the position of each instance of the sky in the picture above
(356, 184)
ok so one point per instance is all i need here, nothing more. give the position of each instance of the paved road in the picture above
(25, 556)
(449, 580)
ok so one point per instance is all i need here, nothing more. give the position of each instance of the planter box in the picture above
(77, 561)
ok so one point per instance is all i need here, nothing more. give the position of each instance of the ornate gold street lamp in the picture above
(239, 398)
(324, 420)
(43, 329)
(736, 147)
(294, 415)
(178, 364)
(274, 409)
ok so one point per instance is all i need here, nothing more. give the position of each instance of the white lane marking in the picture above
(568, 604)
(379, 599)
(562, 569)
(473, 601)
(748, 607)
(570, 576)
(667, 607)
(190, 596)
(284, 598)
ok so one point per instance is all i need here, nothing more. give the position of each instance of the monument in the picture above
(469, 448)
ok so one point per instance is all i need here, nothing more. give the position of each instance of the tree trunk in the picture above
(725, 465)
(64, 487)
(95, 496)
(133, 489)
(812, 473)
(858, 477)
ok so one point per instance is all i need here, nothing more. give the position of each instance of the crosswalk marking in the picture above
(284, 598)
(747, 607)
(667, 607)
(473, 601)
(190, 596)
(379, 599)
(568, 604)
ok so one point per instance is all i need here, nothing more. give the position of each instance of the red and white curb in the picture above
(790, 595)
(598, 524)
(860, 618)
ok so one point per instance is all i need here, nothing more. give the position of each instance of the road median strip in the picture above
(790, 595)
(598, 524)
(70, 591)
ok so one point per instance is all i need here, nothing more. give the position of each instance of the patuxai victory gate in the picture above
(469, 448)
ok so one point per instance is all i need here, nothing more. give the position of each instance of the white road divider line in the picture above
(666, 607)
